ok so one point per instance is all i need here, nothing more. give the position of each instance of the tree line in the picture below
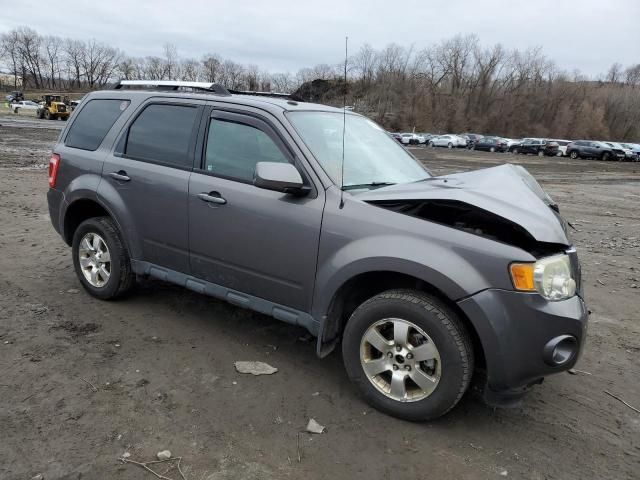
(456, 85)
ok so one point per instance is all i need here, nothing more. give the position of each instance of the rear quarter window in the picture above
(93, 122)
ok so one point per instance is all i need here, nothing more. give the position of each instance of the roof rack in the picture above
(172, 85)
(260, 94)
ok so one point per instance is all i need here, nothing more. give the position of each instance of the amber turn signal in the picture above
(522, 276)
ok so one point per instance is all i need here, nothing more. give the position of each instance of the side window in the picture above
(162, 134)
(233, 149)
(93, 123)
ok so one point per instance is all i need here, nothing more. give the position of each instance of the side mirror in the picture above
(279, 177)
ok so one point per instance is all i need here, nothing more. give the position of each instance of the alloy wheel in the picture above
(400, 360)
(95, 259)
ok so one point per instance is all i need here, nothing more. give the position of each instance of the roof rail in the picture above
(260, 94)
(172, 85)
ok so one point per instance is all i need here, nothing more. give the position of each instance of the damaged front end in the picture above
(503, 203)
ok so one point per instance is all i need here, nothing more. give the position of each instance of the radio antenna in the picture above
(344, 118)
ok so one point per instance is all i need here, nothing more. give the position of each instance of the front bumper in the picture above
(514, 329)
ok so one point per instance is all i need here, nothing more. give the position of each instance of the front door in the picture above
(255, 241)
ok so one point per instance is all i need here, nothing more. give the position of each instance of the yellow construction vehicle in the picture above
(54, 106)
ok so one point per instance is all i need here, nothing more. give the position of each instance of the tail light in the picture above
(54, 165)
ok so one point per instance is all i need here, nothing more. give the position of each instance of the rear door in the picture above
(251, 240)
(146, 178)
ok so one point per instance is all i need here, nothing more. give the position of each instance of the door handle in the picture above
(121, 176)
(212, 197)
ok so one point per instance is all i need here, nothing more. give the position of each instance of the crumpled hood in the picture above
(508, 191)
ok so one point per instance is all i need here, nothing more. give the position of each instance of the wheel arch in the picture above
(362, 286)
(82, 209)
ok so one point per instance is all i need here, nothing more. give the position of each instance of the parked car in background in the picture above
(511, 141)
(593, 149)
(471, 138)
(449, 141)
(533, 146)
(409, 139)
(421, 138)
(635, 148)
(396, 136)
(490, 144)
(562, 147)
(24, 105)
(427, 137)
(14, 97)
(629, 156)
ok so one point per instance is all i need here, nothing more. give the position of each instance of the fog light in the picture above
(560, 350)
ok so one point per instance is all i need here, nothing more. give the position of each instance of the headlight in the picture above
(550, 277)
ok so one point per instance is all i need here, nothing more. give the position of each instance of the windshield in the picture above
(371, 158)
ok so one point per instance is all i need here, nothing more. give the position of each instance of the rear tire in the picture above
(427, 323)
(573, 155)
(516, 150)
(605, 156)
(492, 149)
(540, 153)
(47, 115)
(118, 277)
(450, 145)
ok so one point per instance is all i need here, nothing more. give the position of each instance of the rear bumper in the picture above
(55, 200)
(517, 331)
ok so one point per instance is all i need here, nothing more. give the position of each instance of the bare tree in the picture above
(52, 49)
(10, 53)
(190, 69)
(171, 62)
(614, 75)
(211, 68)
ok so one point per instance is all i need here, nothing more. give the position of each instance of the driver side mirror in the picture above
(279, 177)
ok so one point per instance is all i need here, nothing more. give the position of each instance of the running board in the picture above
(239, 299)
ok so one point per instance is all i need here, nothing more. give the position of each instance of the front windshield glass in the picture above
(371, 157)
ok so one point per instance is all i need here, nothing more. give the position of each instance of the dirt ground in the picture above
(84, 381)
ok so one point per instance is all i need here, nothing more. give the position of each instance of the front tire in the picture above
(408, 354)
(101, 259)
(450, 145)
(47, 115)
(605, 156)
(573, 155)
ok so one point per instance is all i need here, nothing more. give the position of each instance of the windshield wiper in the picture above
(370, 186)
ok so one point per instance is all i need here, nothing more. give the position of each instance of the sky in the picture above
(283, 35)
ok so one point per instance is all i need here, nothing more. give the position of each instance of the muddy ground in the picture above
(83, 381)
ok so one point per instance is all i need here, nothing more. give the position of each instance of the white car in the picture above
(511, 141)
(24, 105)
(409, 139)
(562, 147)
(449, 141)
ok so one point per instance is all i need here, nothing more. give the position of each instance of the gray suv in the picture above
(315, 216)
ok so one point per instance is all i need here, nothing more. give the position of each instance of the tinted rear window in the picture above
(162, 133)
(93, 122)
